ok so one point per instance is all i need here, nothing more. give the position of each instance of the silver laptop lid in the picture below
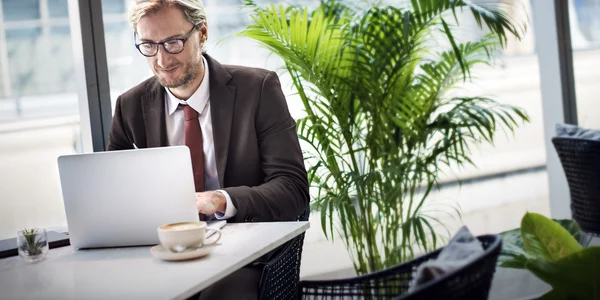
(119, 198)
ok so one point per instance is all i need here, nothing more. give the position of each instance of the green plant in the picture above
(550, 250)
(383, 112)
(31, 244)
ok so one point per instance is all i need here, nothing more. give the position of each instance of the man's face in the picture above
(172, 70)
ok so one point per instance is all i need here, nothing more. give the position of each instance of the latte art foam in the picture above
(181, 227)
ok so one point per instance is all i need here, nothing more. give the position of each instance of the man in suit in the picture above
(247, 162)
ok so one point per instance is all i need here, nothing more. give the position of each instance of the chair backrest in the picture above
(580, 160)
(281, 274)
(472, 281)
(305, 214)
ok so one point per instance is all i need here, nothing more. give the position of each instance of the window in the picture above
(585, 41)
(23, 47)
(1, 86)
(113, 7)
(509, 177)
(58, 8)
(21, 10)
(514, 80)
(126, 68)
(39, 115)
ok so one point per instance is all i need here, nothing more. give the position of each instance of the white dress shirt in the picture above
(175, 120)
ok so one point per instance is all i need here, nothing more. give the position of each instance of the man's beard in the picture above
(188, 76)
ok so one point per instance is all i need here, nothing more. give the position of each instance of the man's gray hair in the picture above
(193, 10)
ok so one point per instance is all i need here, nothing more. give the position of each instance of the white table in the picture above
(132, 272)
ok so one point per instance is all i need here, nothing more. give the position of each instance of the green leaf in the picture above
(572, 227)
(546, 239)
(555, 294)
(512, 246)
(517, 262)
(513, 254)
(577, 275)
(457, 51)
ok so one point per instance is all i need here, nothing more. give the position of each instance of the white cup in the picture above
(178, 237)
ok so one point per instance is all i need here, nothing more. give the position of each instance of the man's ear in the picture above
(204, 30)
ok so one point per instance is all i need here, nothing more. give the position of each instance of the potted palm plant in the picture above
(383, 112)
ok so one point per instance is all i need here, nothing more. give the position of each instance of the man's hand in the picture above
(211, 202)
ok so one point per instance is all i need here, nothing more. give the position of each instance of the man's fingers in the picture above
(204, 204)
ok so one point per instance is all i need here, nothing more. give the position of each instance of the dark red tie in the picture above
(192, 137)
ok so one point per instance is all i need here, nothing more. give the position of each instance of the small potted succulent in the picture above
(32, 244)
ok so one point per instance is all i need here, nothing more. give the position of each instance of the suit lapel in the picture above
(153, 110)
(221, 100)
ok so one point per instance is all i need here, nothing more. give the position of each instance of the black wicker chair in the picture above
(281, 274)
(471, 282)
(580, 160)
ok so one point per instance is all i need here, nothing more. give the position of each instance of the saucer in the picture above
(163, 253)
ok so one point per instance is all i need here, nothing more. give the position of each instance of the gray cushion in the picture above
(462, 249)
(573, 131)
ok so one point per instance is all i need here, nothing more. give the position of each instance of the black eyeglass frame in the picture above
(163, 43)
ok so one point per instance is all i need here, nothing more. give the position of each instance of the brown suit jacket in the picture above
(259, 161)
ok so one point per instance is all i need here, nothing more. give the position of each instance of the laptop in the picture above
(119, 198)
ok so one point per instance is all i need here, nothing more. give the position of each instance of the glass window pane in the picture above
(58, 8)
(585, 41)
(21, 45)
(60, 31)
(126, 66)
(1, 85)
(23, 33)
(113, 6)
(40, 65)
(39, 120)
(19, 10)
(514, 162)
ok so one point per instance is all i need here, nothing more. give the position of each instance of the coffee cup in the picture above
(178, 237)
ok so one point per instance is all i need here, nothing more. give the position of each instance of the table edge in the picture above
(225, 272)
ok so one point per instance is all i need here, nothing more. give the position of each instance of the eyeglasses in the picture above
(172, 46)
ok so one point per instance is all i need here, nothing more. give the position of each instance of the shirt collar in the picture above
(198, 99)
